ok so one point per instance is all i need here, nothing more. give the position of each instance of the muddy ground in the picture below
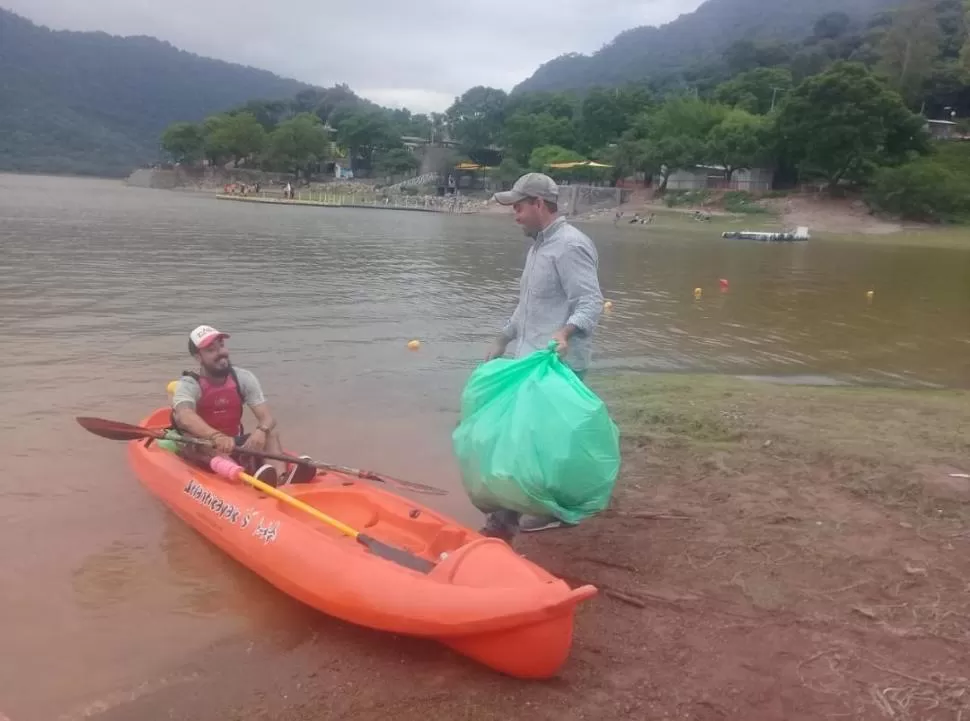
(773, 552)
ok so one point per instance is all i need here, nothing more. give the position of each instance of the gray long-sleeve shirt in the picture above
(559, 286)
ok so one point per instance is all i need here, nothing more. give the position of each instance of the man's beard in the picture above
(217, 372)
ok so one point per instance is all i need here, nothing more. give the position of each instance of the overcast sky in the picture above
(419, 54)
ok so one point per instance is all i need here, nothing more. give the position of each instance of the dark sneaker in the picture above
(501, 524)
(268, 475)
(301, 474)
(534, 524)
(503, 534)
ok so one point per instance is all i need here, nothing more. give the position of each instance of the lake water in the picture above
(100, 284)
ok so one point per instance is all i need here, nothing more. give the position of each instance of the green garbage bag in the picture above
(534, 438)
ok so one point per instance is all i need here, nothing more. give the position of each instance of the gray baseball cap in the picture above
(530, 185)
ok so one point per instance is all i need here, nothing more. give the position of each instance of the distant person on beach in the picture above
(559, 299)
(209, 404)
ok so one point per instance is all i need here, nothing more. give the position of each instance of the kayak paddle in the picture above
(117, 431)
(233, 471)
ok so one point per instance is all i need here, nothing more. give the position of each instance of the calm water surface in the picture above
(100, 283)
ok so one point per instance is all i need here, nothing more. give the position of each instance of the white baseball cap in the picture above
(204, 335)
(530, 185)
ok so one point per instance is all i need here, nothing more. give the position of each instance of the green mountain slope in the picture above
(93, 103)
(646, 53)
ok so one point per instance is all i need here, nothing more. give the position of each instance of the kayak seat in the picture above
(418, 533)
(348, 508)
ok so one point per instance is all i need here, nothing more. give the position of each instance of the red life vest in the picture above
(221, 405)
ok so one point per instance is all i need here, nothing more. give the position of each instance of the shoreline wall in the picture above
(201, 178)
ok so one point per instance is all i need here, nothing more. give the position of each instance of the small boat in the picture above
(480, 597)
(800, 233)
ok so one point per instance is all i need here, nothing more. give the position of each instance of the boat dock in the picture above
(323, 200)
(800, 233)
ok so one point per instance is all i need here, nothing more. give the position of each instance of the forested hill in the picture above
(92, 103)
(657, 53)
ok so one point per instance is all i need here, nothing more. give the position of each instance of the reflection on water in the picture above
(100, 283)
(182, 566)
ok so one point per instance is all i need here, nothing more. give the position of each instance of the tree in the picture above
(844, 123)
(235, 136)
(300, 143)
(756, 91)
(336, 98)
(246, 136)
(267, 112)
(184, 142)
(627, 157)
(921, 190)
(439, 127)
(909, 50)
(810, 61)
(676, 135)
(419, 126)
(476, 118)
(946, 88)
(965, 49)
(363, 132)
(747, 55)
(831, 26)
(508, 172)
(306, 101)
(544, 156)
(216, 149)
(951, 16)
(607, 113)
(665, 154)
(739, 142)
(522, 133)
(406, 123)
(558, 105)
(396, 162)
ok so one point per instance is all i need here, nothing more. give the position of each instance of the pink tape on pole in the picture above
(226, 467)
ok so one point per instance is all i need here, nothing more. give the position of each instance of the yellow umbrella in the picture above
(579, 163)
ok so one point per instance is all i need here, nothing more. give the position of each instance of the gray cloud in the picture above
(384, 49)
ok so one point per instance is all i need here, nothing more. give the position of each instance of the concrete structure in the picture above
(942, 129)
(154, 178)
(711, 177)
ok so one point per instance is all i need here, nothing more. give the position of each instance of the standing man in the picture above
(559, 299)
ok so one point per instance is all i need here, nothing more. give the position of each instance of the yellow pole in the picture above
(295, 503)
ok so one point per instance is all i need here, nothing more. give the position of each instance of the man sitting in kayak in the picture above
(209, 404)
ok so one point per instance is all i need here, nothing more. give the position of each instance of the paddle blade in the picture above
(115, 431)
(397, 555)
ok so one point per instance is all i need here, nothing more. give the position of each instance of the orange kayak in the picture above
(482, 599)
